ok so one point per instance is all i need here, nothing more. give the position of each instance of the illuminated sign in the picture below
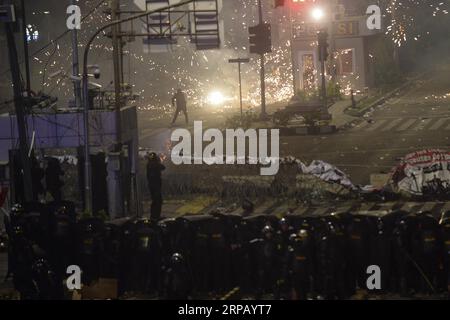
(340, 29)
(346, 28)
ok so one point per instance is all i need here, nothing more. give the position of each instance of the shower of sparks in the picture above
(404, 17)
(154, 77)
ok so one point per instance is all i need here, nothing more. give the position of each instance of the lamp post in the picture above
(262, 69)
(239, 61)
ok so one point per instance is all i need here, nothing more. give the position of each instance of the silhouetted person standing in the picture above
(180, 100)
(154, 169)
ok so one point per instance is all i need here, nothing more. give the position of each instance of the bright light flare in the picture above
(317, 13)
(216, 98)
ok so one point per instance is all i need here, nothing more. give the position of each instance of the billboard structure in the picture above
(199, 21)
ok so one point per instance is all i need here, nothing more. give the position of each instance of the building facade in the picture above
(350, 45)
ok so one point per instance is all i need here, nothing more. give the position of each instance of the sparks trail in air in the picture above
(405, 21)
(155, 77)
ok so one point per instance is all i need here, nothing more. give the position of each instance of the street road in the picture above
(418, 118)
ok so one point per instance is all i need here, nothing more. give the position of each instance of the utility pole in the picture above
(322, 36)
(75, 64)
(20, 112)
(25, 48)
(332, 47)
(395, 55)
(323, 90)
(117, 57)
(115, 175)
(263, 70)
(294, 71)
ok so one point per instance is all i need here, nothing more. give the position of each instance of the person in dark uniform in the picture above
(146, 257)
(357, 235)
(330, 261)
(300, 265)
(283, 234)
(426, 254)
(445, 226)
(177, 284)
(380, 250)
(400, 254)
(154, 169)
(180, 100)
(267, 268)
(21, 256)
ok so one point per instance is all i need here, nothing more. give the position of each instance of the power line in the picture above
(59, 37)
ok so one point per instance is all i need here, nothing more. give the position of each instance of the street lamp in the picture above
(317, 13)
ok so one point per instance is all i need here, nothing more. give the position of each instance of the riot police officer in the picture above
(300, 265)
(380, 247)
(267, 261)
(401, 267)
(22, 254)
(177, 283)
(14, 219)
(62, 245)
(47, 285)
(330, 261)
(146, 257)
(426, 251)
(283, 234)
(89, 244)
(357, 232)
(445, 226)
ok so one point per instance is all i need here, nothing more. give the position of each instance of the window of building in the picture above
(345, 61)
(309, 78)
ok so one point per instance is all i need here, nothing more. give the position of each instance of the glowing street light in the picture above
(216, 98)
(317, 13)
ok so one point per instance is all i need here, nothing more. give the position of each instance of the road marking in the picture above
(428, 206)
(377, 125)
(421, 125)
(392, 125)
(362, 125)
(388, 206)
(344, 209)
(320, 211)
(367, 206)
(438, 124)
(408, 206)
(301, 211)
(406, 125)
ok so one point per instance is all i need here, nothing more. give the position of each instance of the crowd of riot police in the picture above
(296, 257)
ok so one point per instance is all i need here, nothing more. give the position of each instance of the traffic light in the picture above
(323, 45)
(260, 39)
